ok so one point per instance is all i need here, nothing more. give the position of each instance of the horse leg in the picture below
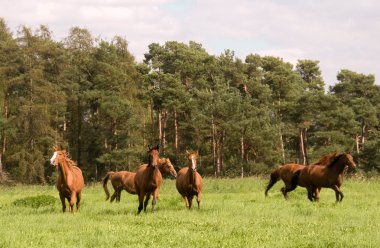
(118, 194)
(147, 197)
(114, 195)
(155, 196)
(273, 179)
(79, 197)
(284, 192)
(63, 201)
(316, 193)
(141, 199)
(72, 199)
(338, 193)
(199, 196)
(191, 201)
(186, 201)
(310, 193)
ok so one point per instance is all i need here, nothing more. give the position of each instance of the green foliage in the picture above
(93, 97)
(36, 201)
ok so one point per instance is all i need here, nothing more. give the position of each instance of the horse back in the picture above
(128, 179)
(324, 176)
(287, 171)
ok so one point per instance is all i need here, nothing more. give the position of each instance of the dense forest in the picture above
(242, 115)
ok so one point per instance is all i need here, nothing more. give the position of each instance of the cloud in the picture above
(340, 34)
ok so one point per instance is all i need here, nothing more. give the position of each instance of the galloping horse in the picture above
(148, 180)
(70, 179)
(329, 176)
(285, 173)
(189, 182)
(120, 180)
(126, 180)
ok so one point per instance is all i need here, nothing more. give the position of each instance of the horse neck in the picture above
(191, 175)
(64, 170)
(338, 166)
(152, 172)
(161, 163)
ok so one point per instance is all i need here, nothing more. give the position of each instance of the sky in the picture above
(341, 34)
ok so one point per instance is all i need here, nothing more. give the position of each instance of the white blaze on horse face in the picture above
(193, 162)
(53, 158)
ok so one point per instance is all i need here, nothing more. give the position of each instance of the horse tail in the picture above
(274, 177)
(294, 181)
(105, 181)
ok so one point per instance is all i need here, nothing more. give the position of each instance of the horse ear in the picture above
(54, 148)
(61, 147)
(197, 153)
(158, 147)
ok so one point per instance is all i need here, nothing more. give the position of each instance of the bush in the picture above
(36, 201)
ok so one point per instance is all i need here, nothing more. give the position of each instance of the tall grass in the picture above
(233, 213)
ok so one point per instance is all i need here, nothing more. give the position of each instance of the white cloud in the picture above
(340, 34)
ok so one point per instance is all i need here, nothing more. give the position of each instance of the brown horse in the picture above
(148, 180)
(70, 179)
(126, 180)
(285, 173)
(120, 180)
(329, 176)
(189, 182)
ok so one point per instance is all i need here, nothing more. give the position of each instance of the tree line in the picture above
(243, 116)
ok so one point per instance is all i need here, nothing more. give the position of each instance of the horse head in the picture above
(58, 155)
(153, 156)
(348, 159)
(168, 167)
(192, 157)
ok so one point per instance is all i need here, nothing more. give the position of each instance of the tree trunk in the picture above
(159, 128)
(165, 118)
(282, 148)
(3, 136)
(305, 146)
(214, 145)
(218, 161)
(176, 135)
(357, 143)
(221, 149)
(79, 130)
(144, 134)
(242, 148)
(1, 166)
(363, 129)
(152, 132)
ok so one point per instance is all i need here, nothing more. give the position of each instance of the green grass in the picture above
(234, 213)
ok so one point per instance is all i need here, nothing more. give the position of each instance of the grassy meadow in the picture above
(233, 213)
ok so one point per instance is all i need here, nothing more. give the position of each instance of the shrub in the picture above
(35, 201)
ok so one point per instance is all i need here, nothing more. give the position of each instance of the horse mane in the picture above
(70, 162)
(327, 159)
(162, 160)
(334, 160)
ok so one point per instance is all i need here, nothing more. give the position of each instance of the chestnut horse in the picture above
(189, 182)
(285, 173)
(148, 180)
(120, 180)
(329, 176)
(70, 179)
(126, 180)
